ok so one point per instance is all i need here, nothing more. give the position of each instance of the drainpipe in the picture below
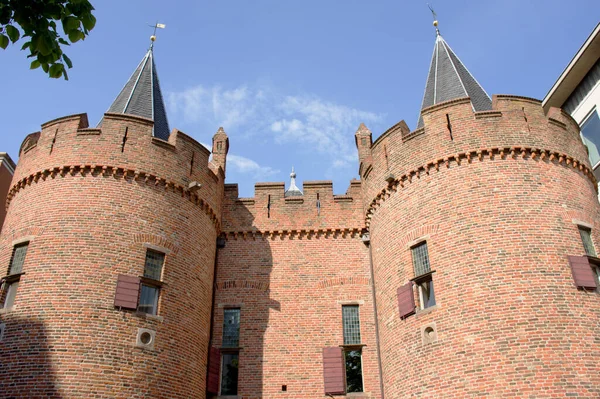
(367, 240)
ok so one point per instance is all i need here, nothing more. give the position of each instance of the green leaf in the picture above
(63, 41)
(70, 24)
(75, 36)
(3, 41)
(34, 64)
(67, 61)
(45, 67)
(13, 33)
(89, 21)
(56, 71)
(42, 45)
(25, 45)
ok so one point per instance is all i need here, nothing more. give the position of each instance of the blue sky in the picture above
(290, 81)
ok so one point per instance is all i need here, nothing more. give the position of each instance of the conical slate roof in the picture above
(141, 96)
(449, 79)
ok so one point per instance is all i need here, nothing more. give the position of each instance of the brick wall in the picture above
(290, 271)
(6, 173)
(499, 227)
(89, 207)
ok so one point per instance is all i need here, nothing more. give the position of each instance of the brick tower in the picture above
(485, 201)
(111, 237)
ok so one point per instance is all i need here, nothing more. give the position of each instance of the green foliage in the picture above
(36, 20)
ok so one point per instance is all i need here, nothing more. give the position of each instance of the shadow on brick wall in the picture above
(243, 279)
(26, 369)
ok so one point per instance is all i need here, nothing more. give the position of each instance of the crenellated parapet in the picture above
(123, 148)
(454, 135)
(269, 212)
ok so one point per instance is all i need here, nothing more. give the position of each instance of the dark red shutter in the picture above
(583, 274)
(128, 290)
(406, 300)
(333, 371)
(214, 367)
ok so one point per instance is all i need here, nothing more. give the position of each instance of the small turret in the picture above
(293, 191)
(220, 148)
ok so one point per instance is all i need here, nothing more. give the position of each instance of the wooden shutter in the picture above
(214, 367)
(128, 290)
(406, 300)
(333, 371)
(582, 272)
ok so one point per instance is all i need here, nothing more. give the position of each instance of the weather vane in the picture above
(153, 37)
(435, 21)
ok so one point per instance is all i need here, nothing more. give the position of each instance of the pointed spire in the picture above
(449, 79)
(141, 96)
(293, 191)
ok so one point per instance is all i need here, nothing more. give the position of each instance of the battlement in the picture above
(453, 127)
(270, 210)
(126, 143)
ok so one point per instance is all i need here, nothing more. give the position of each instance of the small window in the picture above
(420, 257)
(352, 355)
(586, 238)
(424, 277)
(14, 274)
(151, 282)
(351, 323)
(231, 328)
(230, 358)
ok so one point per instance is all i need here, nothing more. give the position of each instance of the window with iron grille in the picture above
(150, 290)
(421, 259)
(351, 324)
(18, 258)
(231, 328)
(586, 238)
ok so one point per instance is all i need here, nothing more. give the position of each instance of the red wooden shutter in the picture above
(214, 367)
(333, 371)
(128, 290)
(406, 300)
(582, 272)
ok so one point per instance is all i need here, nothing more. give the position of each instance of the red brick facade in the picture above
(7, 168)
(497, 196)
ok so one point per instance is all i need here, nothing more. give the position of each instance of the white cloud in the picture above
(247, 166)
(307, 121)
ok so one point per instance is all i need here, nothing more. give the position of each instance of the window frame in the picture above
(10, 282)
(581, 229)
(588, 116)
(352, 347)
(424, 278)
(150, 283)
(230, 350)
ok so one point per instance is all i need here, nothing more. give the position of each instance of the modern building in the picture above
(461, 264)
(577, 92)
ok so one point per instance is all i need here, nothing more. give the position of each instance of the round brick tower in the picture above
(119, 230)
(472, 218)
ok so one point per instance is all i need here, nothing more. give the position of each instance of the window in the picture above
(590, 130)
(586, 238)
(352, 348)
(14, 274)
(424, 275)
(230, 359)
(151, 282)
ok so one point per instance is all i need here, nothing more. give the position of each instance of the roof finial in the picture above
(435, 21)
(293, 190)
(153, 37)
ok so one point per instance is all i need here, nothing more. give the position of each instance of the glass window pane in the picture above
(18, 258)
(231, 328)
(586, 238)
(11, 292)
(428, 294)
(354, 382)
(154, 263)
(421, 259)
(229, 374)
(590, 129)
(351, 323)
(148, 299)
